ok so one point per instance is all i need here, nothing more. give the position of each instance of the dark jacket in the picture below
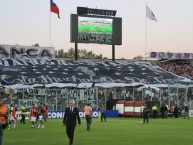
(71, 116)
(186, 109)
(163, 108)
(145, 112)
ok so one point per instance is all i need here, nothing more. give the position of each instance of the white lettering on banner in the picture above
(95, 114)
(12, 50)
(81, 114)
(56, 114)
(53, 115)
(18, 115)
(44, 91)
(191, 113)
(28, 102)
(88, 74)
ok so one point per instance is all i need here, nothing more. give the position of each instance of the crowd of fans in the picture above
(95, 37)
(184, 69)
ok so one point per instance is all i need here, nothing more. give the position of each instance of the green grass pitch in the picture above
(95, 28)
(116, 131)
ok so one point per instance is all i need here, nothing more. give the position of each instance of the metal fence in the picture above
(57, 98)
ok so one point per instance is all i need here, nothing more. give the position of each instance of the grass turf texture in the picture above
(95, 28)
(116, 131)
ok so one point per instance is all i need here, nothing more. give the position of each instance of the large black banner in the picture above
(46, 71)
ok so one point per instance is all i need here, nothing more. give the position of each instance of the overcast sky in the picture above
(26, 22)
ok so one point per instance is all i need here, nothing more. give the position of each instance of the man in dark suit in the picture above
(70, 116)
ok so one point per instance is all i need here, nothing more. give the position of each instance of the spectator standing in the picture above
(176, 111)
(145, 114)
(186, 111)
(103, 113)
(163, 109)
(166, 111)
(172, 109)
(88, 115)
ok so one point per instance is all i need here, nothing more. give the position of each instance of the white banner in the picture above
(17, 51)
(28, 102)
(57, 114)
(191, 113)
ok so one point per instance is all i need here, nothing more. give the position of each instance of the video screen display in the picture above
(96, 30)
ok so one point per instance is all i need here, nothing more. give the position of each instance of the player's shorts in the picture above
(12, 119)
(40, 117)
(33, 119)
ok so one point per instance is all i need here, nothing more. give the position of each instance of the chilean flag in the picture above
(54, 8)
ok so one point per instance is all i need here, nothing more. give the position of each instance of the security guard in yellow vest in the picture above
(155, 113)
(23, 113)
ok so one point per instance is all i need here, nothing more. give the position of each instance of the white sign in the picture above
(191, 113)
(12, 51)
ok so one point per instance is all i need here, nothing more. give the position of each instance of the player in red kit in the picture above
(33, 113)
(13, 117)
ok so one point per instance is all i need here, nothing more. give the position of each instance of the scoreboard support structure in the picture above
(76, 52)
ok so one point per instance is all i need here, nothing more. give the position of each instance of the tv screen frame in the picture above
(114, 38)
